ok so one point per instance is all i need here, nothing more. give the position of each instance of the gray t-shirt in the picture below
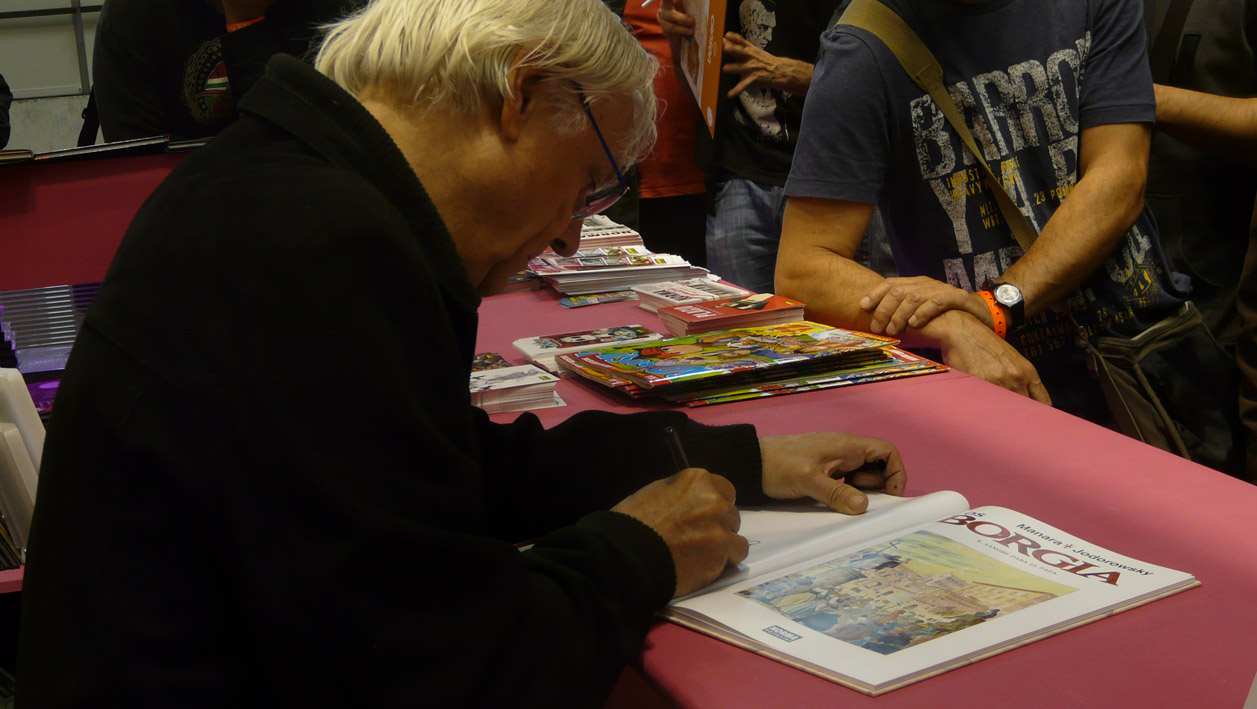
(1029, 76)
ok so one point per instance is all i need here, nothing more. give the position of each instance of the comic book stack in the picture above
(727, 313)
(610, 268)
(542, 350)
(748, 363)
(518, 388)
(653, 296)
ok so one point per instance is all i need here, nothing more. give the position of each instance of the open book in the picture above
(912, 588)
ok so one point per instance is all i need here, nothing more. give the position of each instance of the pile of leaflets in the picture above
(753, 310)
(748, 363)
(610, 268)
(653, 296)
(542, 350)
(519, 388)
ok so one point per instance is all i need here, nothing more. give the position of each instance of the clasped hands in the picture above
(694, 510)
(962, 327)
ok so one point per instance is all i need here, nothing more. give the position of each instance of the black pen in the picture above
(674, 445)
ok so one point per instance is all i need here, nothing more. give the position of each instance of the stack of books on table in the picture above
(599, 231)
(748, 363)
(610, 268)
(542, 350)
(727, 313)
(653, 296)
(519, 388)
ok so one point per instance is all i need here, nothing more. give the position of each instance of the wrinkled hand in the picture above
(973, 348)
(243, 10)
(759, 69)
(813, 465)
(693, 511)
(900, 303)
(673, 20)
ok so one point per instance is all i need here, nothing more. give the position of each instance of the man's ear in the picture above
(523, 103)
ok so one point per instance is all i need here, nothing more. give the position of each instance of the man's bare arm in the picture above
(1219, 124)
(1091, 221)
(819, 237)
(1084, 230)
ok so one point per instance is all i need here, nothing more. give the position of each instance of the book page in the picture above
(786, 534)
(919, 601)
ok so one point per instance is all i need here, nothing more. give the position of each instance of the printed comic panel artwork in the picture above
(903, 593)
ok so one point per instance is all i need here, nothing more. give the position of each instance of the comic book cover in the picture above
(718, 354)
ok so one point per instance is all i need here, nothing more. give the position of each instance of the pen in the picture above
(674, 445)
(647, 3)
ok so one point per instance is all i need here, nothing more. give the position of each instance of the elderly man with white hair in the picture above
(264, 483)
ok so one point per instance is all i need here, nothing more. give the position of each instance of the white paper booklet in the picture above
(653, 296)
(518, 388)
(542, 350)
(911, 588)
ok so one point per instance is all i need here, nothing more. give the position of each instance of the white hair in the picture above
(458, 55)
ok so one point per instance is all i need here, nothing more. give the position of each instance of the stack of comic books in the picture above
(653, 296)
(747, 363)
(519, 388)
(599, 231)
(727, 313)
(542, 350)
(598, 270)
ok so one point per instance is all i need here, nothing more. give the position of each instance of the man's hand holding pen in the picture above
(694, 509)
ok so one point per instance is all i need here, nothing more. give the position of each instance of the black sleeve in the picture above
(126, 86)
(595, 459)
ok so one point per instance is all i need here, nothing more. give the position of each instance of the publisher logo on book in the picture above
(779, 632)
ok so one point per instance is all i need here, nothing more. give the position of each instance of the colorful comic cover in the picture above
(718, 354)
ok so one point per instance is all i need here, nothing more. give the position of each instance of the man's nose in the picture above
(569, 241)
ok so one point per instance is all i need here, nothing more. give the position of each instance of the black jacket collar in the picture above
(311, 107)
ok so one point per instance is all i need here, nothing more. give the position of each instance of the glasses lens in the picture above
(599, 201)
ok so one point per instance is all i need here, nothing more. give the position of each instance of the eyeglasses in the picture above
(603, 198)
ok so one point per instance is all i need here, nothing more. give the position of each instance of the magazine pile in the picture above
(520, 388)
(727, 313)
(542, 350)
(653, 296)
(610, 268)
(912, 588)
(747, 363)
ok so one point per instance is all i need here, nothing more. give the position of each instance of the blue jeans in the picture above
(743, 235)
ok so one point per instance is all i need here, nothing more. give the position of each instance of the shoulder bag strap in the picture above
(926, 73)
(1164, 49)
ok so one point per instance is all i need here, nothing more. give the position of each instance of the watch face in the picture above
(1007, 294)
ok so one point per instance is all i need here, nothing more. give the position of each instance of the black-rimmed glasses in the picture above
(604, 198)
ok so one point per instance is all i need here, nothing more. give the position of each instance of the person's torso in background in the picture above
(1203, 202)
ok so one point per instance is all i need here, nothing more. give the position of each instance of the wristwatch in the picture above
(1009, 296)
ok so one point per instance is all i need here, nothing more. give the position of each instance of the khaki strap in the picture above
(926, 73)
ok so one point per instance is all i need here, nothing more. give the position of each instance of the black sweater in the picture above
(264, 482)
